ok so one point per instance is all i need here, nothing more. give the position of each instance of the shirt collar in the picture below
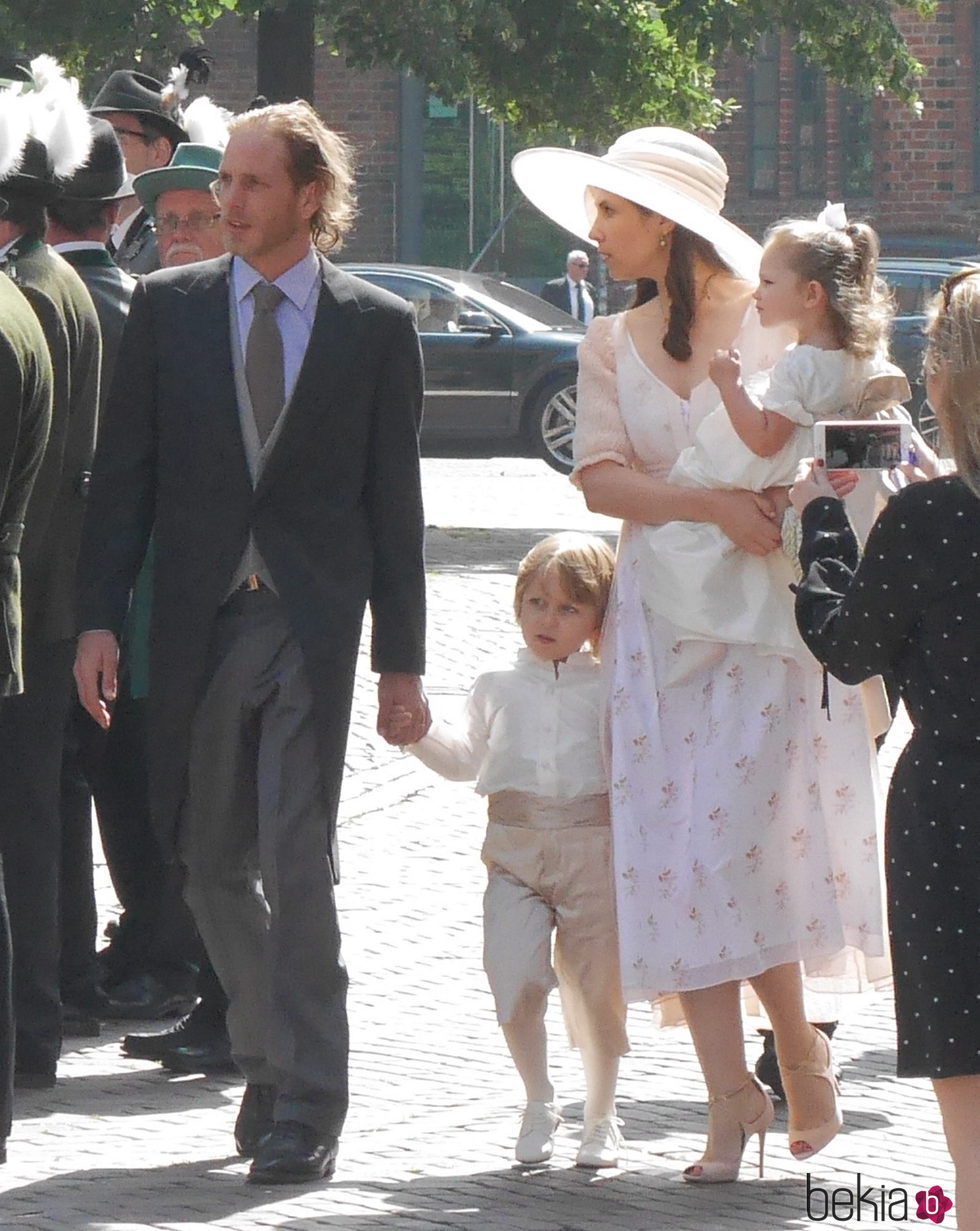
(297, 283)
(574, 662)
(80, 245)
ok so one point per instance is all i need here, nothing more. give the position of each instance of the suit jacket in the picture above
(138, 253)
(336, 512)
(557, 292)
(26, 382)
(49, 553)
(111, 289)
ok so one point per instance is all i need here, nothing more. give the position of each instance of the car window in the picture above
(436, 307)
(536, 310)
(910, 293)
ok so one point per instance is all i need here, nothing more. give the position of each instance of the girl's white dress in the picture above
(744, 822)
(693, 574)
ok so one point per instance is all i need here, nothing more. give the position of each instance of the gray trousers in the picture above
(254, 841)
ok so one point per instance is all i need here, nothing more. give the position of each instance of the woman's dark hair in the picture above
(686, 249)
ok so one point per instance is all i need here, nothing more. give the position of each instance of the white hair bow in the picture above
(834, 215)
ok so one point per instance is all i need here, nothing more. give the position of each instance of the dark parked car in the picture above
(915, 280)
(500, 363)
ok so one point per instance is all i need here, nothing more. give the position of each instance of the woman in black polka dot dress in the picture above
(912, 609)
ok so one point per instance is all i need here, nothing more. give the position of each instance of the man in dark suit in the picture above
(574, 294)
(32, 725)
(272, 447)
(25, 417)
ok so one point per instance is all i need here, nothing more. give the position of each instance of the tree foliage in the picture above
(593, 67)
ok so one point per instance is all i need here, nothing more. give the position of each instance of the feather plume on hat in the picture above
(193, 67)
(57, 117)
(206, 123)
(14, 130)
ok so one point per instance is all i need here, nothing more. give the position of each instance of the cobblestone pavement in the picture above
(118, 1144)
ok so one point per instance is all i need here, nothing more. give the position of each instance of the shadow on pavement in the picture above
(557, 1198)
(467, 549)
(153, 1090)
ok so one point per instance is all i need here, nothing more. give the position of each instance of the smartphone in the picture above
(859, 444)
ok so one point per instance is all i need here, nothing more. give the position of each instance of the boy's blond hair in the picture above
(583, 565)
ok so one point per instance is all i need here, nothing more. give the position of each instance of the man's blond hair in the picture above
(315, 154)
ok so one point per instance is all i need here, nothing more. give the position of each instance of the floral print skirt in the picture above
(745, 823)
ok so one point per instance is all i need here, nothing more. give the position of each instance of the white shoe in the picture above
(601, 1143)
(536, 1140)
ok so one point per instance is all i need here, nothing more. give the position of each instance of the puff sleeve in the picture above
(600, 435)
(790, 388)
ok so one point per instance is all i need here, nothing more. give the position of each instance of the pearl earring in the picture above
(663, 241)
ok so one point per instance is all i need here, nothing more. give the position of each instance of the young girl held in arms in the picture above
(530, 739)
(819, 280)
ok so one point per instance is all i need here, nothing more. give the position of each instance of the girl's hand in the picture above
(748, 518)
(813, 481)
(725, 368)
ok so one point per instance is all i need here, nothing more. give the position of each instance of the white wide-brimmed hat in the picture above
(669, 171)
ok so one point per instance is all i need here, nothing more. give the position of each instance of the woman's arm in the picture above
(854, 618)
(747, 518)
(604, 457)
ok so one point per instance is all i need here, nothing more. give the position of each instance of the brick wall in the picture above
(362, 106)
(923, 166)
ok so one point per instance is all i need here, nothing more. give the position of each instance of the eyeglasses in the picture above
(132, 132)
(197, 221)
(581, 264)
(953, 281)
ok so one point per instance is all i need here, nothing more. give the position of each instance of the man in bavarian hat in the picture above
(178, 199)
(79, 222)
(146, 118)
(156, 943)
(32, 725)
(25, 418)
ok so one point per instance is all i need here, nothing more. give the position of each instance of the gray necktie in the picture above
(264, 372)
(581, 302)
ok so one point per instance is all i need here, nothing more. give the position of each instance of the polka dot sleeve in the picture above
(857, 619)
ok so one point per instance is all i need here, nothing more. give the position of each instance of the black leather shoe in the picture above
(198, 1028)
(293, 1153)
(255, 1118)
(767, 1066)
(210, 1056)
(147, 998)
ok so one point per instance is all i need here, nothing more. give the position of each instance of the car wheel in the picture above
(550, 424)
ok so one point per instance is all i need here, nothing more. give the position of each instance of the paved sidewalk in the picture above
(119, 1145)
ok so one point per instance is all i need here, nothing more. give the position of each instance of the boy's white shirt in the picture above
(526, 728)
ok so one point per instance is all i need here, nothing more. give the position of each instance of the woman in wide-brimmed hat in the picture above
(743, 822)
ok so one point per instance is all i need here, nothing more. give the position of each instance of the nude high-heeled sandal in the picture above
(805, 1142)
(722, 1114)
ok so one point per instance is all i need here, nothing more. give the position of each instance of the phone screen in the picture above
(863, 446)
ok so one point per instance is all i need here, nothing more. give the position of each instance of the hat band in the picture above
(685, 176)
